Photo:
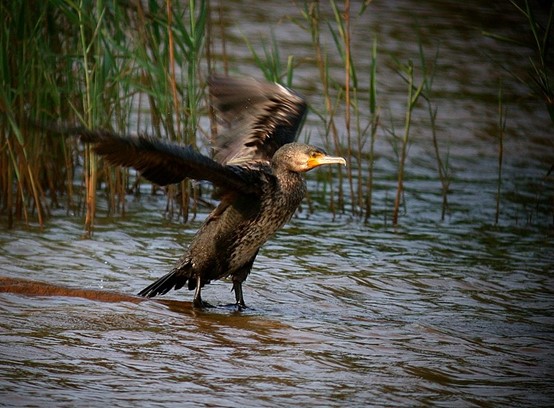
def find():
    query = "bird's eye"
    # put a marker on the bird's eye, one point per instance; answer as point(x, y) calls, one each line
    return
point(313, 155)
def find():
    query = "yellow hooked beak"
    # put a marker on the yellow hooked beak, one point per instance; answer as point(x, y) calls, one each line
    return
point(319, 159)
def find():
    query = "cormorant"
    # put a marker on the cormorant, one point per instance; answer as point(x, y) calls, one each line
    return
point(257, 171)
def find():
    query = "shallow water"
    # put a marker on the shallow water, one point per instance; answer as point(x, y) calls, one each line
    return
point(452, 313)
point(449, 315)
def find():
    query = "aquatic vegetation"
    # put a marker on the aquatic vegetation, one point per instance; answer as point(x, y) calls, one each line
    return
point(413, 95)
point(141, 68)
point(101, 65)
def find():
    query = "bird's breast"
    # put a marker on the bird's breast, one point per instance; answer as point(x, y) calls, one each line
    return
point(275, 207)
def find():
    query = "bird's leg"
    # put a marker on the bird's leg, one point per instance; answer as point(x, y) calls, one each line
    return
point(237, 288)
point(197, 301)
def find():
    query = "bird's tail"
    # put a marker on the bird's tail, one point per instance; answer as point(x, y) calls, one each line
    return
point(175, 279)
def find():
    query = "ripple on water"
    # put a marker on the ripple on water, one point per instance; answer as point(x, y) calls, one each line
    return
point(419, 312)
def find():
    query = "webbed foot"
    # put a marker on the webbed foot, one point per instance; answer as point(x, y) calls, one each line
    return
point(200, 304)
point(197, 301)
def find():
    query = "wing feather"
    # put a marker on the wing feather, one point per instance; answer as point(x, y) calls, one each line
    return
point(258, 118)
point(165, 163)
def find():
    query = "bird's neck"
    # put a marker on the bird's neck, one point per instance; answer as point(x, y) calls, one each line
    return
point(290, 182)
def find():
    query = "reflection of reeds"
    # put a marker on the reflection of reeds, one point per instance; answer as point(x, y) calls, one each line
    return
point(501, 129)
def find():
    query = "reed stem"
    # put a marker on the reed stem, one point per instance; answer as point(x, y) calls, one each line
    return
point(374, 123)
point(413, 95)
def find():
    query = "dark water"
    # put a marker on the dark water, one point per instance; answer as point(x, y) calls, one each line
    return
point(451, 313)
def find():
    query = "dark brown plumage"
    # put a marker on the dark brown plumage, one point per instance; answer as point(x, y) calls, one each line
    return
point(257, 169)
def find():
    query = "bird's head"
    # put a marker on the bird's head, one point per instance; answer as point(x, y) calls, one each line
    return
point(299, 158)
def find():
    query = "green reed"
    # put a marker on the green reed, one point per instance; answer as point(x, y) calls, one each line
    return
point(25, 78)
point(168, 56)
point(140, 67)
point(270, 61)
point(413, 95)
point(101, 65)
point(443, 167)
point(372, 125)
point(312, 16)
point(342, 39)
point(344, 103)
point(539, 17)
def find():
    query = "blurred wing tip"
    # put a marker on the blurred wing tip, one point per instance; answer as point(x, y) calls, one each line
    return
point(257, 117)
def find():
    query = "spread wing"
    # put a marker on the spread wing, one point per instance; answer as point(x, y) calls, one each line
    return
point(258, 118)
point(165, 163)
